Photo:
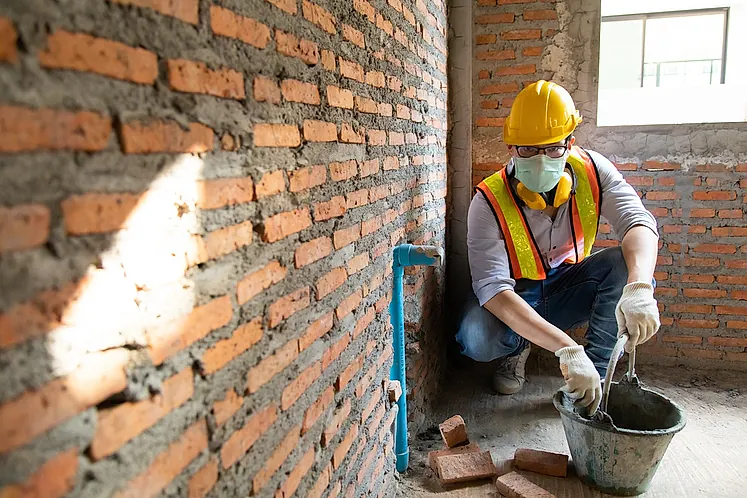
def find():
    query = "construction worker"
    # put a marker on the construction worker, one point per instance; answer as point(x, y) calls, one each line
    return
point(530, 232)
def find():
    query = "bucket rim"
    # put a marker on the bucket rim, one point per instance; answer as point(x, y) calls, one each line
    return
point(557, 401)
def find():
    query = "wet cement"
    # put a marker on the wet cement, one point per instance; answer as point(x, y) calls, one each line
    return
point(706, 459)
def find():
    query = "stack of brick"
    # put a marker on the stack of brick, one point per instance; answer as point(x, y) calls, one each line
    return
point(199, 201)
point(698, 201)
point(461, 461)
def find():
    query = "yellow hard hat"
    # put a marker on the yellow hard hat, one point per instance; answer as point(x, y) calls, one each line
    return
point(542, 113)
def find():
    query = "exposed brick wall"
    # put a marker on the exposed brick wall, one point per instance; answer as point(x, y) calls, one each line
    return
point(692, 178)
point(198, 202)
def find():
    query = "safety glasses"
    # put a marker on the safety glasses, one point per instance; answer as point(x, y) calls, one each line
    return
point(552, 151)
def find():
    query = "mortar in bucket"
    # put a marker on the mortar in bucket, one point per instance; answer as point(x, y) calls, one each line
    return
point(618, 449)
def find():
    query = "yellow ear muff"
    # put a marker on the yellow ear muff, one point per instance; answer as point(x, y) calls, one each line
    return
point(533, 200)
point(563, 190)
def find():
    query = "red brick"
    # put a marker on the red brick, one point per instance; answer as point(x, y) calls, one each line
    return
point(662, 196)
point(541, 462)
point(346, 236)
point(453, 431)
point(464, 467)
point(514, 485)
point(728, 342)
point(489, 122)
point(736, 324)
point(23, 129)
point(178, 334)
point(225, 408)
point(271, 184)
point(289, 487)
point(357, 199)
point(299, 91)
point(364, 322)
point(268, 368)
point(288, 6)
point(214, 194)
point(736, 263)
point(702, 213)
point(385, 109)
point(335, 350)
point(330, 282)
point(288, 305)
point(221, 242)
point(730, 213)
point(522, 34)
point(333, 208)
point(660, 166)
point(535, 52)
point(667, 181)
point(740, 295)
point(485, 40)
point(390, 163)
point(300, 384)
point(358, 263)
point(366, 105)
point(730, 279)
point(319, 16)
point(266, 90)
point(483, 74)
point(403, 112)
point(82, 52)
point(328, 60)
point(516, 69)
point(370, 225)
point(23, 227)
point(291, 46)
point(317, 408)
point(244, 438)
point(348, 373)
point(321, 485)
point(319, 131)
point(8, 40)
point(223, 351)
point(146, 137)
point(729, 231)
point(316, 330)
point(97, 213)
point(682, 339)
point(690, 308)
point(343, 171)
point(349, 304)
point(196, 77)
point(312, 251)
point(338, 97)
point(119, 424)
point(376, 137)
point(539, 15)
point(349, 135)
point(384, 25)
point(351, 70)
point(714, 195)
point(168, 464)
point(184, 10)
point(308, 177)
point(715, 248)
point(494, 18)
point(731, 310)
point(495, 55)
point(283, 225)
point(365, 8)
point(433, 455)
point(353, 35)
point(344, 447)
point(203, 480)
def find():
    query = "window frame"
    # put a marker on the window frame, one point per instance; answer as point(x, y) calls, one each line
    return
point(675, 14)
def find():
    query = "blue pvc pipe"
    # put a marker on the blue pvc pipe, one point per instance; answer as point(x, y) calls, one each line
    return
point(404, 255)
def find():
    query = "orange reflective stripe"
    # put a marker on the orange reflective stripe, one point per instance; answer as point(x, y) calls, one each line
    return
point(514, 261)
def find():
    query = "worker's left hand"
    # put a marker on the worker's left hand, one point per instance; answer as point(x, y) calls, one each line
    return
point(637, 314)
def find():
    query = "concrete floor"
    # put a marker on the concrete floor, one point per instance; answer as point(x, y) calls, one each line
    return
point(705, 460)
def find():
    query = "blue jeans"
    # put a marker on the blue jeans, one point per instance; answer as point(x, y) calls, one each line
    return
point(571, 295)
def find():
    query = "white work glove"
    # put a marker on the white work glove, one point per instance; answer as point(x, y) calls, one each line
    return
point(581, 378)
point(637, 314)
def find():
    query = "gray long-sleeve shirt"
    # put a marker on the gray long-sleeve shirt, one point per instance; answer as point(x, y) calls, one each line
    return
point(488, 258)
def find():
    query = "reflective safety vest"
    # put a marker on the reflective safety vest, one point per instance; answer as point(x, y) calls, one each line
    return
point(524, 255)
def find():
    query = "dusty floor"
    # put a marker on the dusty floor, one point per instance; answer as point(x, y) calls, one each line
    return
point(705, 460)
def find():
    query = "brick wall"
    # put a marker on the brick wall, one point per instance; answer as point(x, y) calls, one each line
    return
point(692, 178)
point(198, 202)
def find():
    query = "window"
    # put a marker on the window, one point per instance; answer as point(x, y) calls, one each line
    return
point(672, 66)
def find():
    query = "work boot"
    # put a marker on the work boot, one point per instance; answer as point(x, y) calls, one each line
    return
point(509, 376)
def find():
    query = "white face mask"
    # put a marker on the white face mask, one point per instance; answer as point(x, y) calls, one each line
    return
point(539, 173)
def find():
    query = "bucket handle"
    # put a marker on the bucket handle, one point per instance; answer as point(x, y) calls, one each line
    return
point(630, 377)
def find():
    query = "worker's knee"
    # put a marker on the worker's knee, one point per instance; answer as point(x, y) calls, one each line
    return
point(483, 337)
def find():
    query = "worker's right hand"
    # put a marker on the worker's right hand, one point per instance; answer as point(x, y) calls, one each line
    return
point(581, 378)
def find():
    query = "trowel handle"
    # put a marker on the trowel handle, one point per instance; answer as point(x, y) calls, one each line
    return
point(616, 352)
